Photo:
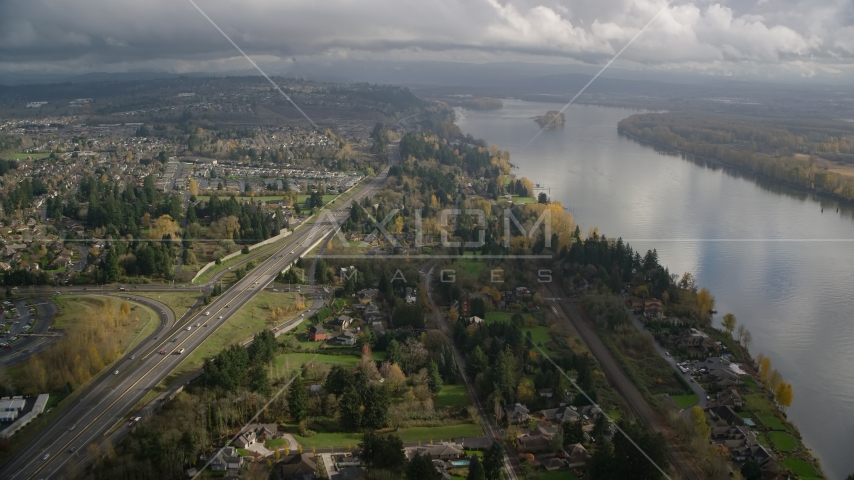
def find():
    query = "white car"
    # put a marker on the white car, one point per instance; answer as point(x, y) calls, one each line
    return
point(207, 314)
point(46, 456)
point(198, 324)
point(220, 317)
point(116, 372)
point(189, 328)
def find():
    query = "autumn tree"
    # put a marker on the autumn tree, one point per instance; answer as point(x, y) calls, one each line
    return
point(701, 426)
point(162, 226)
point(774, 380)
point(729, 323)
point(194, 187)
point(705, 304)
point(783, 394)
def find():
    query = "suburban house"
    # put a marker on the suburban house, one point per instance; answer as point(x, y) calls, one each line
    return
point(299, 466)
point(255, 434)
point(439, 451)
point(347, 337)
point(730, 397)
point(316, 333)
point(533, 443)
point(576, 456)
point(561, 414)
point(367, 294)
point(741, 443)
point(225, 459)
point(340, 323)
point(516, 413)
point(694, 341)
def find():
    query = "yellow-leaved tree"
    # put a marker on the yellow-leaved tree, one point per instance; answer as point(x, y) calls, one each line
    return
point(783, 393)
point(705, 304)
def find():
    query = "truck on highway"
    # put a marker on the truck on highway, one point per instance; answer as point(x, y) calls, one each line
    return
point(133, 421)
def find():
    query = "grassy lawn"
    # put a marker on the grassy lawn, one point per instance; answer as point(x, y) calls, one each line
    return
point(685, 401)
point(492, 317)
point(762, 439)
point(557, 475)
point(413, 434)
point(802, 468)
point(769, 420)
point(292, 361)
point(523, 200)
point(472, 267)
point(246, 322)
point(757, 402)
point(23, 156)
point(277, 443)
point(783, 441)
point(179, 302)
point(538, 335)
point(452, 396)
point(750, 382)
point(239, 259)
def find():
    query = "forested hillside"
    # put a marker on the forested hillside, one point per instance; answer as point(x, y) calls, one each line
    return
point(811, 154)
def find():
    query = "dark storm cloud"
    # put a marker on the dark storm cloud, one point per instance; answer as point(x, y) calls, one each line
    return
point(718, 37)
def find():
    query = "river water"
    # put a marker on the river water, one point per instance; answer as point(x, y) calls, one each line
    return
point(768, 253)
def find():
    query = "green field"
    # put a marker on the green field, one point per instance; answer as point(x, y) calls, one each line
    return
point(452, 396)
point(292, 361)
point(802, 468)
point(498, 317)
point(523, 200)
point(540, 335)
point(23, 156)
point(179, 302)
point(770, 420)
point(246, 322)
point(783, 441)
point(685, 401)
point(413, 434)
point(472, 267)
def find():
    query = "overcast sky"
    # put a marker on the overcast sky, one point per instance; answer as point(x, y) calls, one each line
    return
point(793, 38)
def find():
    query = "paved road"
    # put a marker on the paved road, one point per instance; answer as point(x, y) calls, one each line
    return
point(569, 310)
point(491, 430)
point(106, 403)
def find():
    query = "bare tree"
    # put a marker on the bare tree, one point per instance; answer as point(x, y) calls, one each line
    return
point(746, 338)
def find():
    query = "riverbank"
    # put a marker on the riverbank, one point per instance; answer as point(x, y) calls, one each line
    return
point(819, 192)
point(767, 253)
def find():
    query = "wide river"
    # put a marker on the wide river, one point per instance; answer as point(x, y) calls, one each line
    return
point(768, 253)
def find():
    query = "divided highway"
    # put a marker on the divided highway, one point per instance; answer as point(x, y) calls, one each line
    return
point(110, 398)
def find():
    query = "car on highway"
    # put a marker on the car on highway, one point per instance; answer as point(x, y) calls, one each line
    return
point(198, 324)
point(189, 328)
point(179, 352)
point(72, 449)
point(207, 314)
point(220, 317)
point(116, 372)
point(46, 456)
point(162, 352)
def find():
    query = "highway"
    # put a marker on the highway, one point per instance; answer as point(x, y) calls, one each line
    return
point(110, 398)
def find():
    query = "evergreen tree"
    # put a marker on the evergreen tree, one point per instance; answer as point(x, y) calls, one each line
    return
point(476, 471)
point(493, 460)
point(434, 379)
point(112, 269)
point(350, 409)
point(421, 468)
point(298, 399)
point(259, 380)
